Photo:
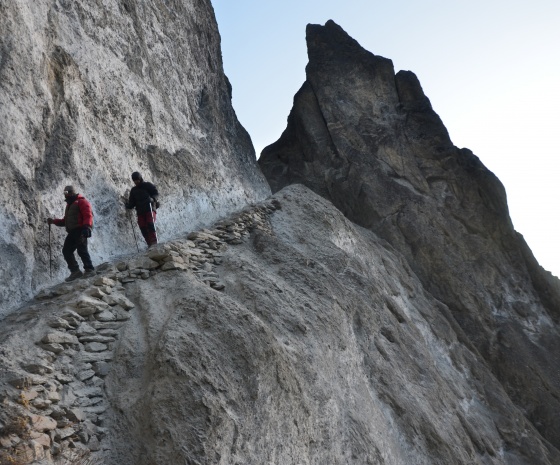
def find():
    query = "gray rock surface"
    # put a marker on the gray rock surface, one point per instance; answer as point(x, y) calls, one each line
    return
point(91, 91)
point(323, 346)
point(286, 333)
point(368, 140)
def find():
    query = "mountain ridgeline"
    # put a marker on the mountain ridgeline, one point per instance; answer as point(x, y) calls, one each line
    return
point(377, 308)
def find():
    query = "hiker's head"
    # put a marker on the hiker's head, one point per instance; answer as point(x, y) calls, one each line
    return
point(69, 191)
point(136, 177)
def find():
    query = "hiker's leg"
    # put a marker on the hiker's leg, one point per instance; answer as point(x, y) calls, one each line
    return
point(84, 254)
point(70, 246)
point(143, 225)
point(151, 228)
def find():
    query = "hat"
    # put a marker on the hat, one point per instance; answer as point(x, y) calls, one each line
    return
point(136, 176)
point(70, 190)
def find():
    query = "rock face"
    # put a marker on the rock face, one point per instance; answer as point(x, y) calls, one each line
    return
point(368, 140)
point(394, 319)
point(57, 352)
point(91, 91)
point(283, 334)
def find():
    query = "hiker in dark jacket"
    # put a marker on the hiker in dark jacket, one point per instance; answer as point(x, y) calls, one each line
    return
point(143, 196)
point(78, 220)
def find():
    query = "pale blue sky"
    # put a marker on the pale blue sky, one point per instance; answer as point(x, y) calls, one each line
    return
point(490, 68)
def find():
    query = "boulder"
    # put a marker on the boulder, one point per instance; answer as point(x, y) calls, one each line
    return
point(119, 299)
point(95, 347)
point(144, 263)
point(58, 337)
point(42, 423)
point(38, 368)
point(53, 347)
point(85, 330)
point(104, 281)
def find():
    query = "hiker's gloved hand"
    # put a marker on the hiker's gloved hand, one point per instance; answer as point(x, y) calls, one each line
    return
point(86, 232)
point(50, 221)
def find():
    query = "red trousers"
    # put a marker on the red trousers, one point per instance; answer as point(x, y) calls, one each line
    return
point(146, 222)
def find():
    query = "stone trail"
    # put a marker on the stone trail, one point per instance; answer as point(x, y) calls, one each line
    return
point(53, 398)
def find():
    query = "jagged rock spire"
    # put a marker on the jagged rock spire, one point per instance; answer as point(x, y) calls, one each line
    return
point(368, 140)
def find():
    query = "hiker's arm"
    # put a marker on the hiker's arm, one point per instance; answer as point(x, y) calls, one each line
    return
point(57, 221)
point(152, 190)
point(154, 195)
point(131, 202)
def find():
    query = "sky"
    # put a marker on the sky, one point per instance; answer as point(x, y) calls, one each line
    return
point(491, 70)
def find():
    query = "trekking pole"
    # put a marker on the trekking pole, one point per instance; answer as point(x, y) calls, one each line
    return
point(133, 232)
point(50, 251)
point(154, 221)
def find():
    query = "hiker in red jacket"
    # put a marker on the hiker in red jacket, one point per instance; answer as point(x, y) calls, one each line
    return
point(78, 220)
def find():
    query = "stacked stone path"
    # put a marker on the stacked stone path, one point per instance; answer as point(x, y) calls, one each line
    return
point(52, 392)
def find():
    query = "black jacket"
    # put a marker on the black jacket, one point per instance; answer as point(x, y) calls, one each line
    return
point(141, 196)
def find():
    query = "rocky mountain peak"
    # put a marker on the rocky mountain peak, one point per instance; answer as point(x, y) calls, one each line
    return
point(368, 140)
point(379, 308)
point(331, 43)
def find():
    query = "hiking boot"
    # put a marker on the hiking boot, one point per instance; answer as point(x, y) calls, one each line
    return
point(74, 275)
point(89, 273)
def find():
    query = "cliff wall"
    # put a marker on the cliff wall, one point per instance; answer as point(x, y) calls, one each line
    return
point(89, 93)
point(379, 308)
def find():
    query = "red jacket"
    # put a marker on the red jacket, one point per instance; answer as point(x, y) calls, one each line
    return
point(77, 214)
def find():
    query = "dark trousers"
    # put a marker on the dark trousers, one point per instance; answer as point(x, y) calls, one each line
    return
point(75, 241)
point(146, 222)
